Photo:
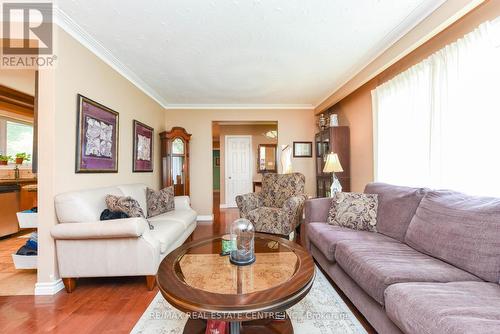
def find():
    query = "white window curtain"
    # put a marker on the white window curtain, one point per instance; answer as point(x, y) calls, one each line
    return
point(438, 123)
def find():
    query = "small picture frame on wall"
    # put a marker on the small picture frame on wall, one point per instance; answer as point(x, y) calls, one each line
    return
point(143, 147)
point(96, 138)
point(217, 162)
point(302, 149)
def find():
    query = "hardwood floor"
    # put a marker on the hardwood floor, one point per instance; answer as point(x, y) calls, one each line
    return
point(12, 280)
point(98, 305)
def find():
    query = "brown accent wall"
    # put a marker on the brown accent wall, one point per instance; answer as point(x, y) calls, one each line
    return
point(355, 110)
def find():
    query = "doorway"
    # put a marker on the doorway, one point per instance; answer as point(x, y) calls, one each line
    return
point(237, 160)
point(18, 186)
point(238, 167)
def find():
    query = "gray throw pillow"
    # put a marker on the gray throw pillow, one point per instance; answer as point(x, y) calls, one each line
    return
point(161, 201)
point(356, 211)
point(125, 204)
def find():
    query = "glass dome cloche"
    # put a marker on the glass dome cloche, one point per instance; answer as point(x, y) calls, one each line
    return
point(242, 234)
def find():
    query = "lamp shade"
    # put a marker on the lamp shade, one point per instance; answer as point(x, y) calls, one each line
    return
point(332, 164)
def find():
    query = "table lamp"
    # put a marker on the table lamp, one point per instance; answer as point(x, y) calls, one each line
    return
point(333, 166)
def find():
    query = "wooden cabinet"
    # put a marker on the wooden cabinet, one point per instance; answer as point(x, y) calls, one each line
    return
point(336, 140)
point(175, 160)
point(28, 197)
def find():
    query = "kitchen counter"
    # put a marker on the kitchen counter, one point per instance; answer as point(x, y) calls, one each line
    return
point(6, 182)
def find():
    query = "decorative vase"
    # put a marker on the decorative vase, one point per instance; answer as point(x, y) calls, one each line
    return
point(322, 122)
point(242, 234)
point(334, 120)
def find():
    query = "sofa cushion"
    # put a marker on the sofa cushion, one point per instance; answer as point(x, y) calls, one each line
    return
point(354, 210)
point(160, 201)
point(166, 232)
point(444, 308)
point(396, 207)
point(125, 204)
point(83, 205)
point(138, 192)
point(184, 216)
point(459, 229)
point(376, 264)
point(326, 237)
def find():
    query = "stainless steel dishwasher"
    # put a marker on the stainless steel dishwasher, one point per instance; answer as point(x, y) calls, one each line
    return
point(9, 206)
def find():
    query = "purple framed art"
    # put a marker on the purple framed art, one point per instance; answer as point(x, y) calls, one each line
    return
point(143, 148)
point(96, 138)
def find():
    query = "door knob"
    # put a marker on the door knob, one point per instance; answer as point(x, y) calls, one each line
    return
point(229, 177)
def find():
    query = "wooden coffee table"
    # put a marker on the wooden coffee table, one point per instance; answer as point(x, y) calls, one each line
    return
point(197, 280)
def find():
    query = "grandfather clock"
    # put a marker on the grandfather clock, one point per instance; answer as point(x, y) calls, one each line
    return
point(175, 160)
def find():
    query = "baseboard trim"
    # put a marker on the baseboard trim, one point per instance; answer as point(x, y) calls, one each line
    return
point(227, 206)
point(48, 288)
point(205, 218)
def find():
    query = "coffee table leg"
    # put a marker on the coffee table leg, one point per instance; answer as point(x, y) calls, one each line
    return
point(234, 327)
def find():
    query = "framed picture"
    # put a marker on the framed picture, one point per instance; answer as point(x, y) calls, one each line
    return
point(302, 149)
point(217, 162)
point(96, 138)
point(143, 148)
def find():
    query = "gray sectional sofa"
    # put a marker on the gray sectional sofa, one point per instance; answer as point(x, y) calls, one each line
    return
point(432, 267)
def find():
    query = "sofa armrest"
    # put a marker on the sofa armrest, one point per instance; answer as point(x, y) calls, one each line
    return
point(316, 210)
point(182, 202)
point(247, 203)
point(109, 229)
point(294, 205)
point(294, 208)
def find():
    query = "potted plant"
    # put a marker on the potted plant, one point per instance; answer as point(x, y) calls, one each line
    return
point(20, 157)
point(4, 159)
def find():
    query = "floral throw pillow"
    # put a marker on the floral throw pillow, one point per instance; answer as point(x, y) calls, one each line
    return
point(357, 211)
point(160, 201)
point(125, 204)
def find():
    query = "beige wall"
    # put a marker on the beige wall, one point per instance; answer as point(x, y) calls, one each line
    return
point(21, 80)
point(355, 110)
point(293, 125)
point(257, 132)
point(80, 71)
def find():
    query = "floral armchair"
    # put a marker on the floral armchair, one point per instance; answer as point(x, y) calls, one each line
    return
point(277, 209)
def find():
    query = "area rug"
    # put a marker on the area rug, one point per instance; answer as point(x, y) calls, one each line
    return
point(322, 311)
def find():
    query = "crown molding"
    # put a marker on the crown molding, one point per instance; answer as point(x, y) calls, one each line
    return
point(420, 13)
point(77, 32)
point(240, 106)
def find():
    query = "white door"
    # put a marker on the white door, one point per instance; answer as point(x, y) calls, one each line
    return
point(238, 167)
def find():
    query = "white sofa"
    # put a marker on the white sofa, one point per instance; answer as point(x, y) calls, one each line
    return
point(88, 247)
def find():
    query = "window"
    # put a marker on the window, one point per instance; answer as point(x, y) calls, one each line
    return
point(16, 137)
point(437, 124)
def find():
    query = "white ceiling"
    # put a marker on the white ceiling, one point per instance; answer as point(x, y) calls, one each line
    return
point(201, 53)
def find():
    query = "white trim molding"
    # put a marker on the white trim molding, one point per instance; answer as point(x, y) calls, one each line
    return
point(205, 218)
point(78, 33)
point(227, 206)
point(240, 106)
point(48, 288)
